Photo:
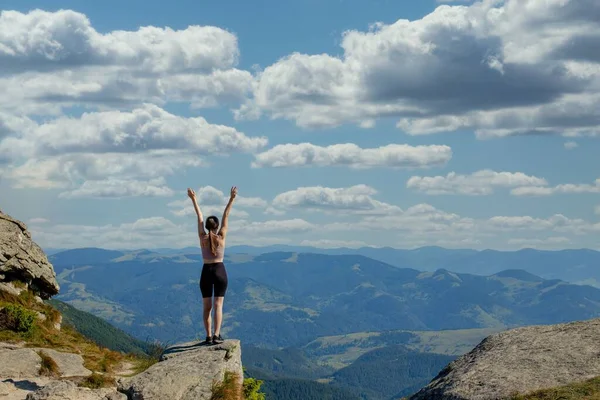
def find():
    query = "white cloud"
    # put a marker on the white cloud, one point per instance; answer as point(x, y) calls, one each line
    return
point(555, 223)
point(59, 58)
point(117, 188)
point(143, 129)
point(129, 147)
point(355, 199)
point(478, 183)
point(212, 201)
point(568, 188)
point(350, 155)
point(537, 57)
point(141, 233)
point(419, 225)
point(571, 145)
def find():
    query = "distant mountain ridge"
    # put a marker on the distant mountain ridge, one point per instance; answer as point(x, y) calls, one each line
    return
point(287, 299)
point(576, 266)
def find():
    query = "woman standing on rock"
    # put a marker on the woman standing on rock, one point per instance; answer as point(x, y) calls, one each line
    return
point(214, 274)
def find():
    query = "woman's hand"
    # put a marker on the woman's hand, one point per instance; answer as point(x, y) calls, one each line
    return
point(191, 194)
point(233, 192)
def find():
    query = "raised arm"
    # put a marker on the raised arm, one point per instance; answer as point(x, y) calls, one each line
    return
point(225, 219)
point(192, 196)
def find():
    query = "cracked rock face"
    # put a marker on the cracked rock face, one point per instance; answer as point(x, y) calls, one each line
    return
point(520, 360)
point(21, 259)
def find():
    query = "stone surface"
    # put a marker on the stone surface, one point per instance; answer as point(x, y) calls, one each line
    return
point(23, 363)
point(18, 389)
point(67, 390)
point(520, 360)
point(18, 363)
point(185, 372)
point(70, 365)
point(22, 259)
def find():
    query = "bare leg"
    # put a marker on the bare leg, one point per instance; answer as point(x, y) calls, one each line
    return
point(218, 314)
point(207, 305)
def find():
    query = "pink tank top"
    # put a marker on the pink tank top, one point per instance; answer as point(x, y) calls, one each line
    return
point(207, 255)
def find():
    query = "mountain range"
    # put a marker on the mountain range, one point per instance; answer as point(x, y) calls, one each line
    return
point(287, 299)
point(312, 323)
point(581, 266)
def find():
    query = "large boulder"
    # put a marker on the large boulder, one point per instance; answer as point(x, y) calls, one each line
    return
point(21, 259)
point(185, 372)
point(520, 360)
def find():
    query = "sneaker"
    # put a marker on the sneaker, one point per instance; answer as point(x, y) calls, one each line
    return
point(217, 339)
point(207, 341)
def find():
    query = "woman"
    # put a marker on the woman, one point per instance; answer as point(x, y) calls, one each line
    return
point(214, 274)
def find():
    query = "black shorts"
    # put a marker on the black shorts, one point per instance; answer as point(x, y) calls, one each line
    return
point(213, 274)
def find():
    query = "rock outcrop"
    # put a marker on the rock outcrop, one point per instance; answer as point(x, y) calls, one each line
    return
point(21, 376)
point(520, 360)
point(21, 259)
point(185, 372)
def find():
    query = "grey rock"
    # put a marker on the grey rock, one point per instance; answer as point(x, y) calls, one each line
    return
point(24, 363)
point(70, 365)
point(18, 389)
point(67, 390)
point(186, 372)
point(520, 360)
point(19, 363)
point(21, 258)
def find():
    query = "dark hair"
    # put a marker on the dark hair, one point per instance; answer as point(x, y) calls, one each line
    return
point(211, 224)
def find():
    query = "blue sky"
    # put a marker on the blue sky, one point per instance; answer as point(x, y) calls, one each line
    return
point(343, 123)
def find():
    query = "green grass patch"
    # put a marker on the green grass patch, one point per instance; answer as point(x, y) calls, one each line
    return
point(15, 317)
point(588, 390)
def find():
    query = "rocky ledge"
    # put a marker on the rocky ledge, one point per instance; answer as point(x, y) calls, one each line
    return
point(186, 372)
point(520, 360)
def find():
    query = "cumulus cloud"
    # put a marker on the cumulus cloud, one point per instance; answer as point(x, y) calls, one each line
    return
point(478, 183)
point(356, 199)
point(418, 225)
point(118, 188)
point(59, 58)
point(212, 201)
point(130, 148)
point(499, 68)
point(157, 231)
point(567, 188)
point(350, 155)
point(142, 129)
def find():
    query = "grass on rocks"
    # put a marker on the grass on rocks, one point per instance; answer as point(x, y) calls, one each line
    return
point(232, 387)
point(34, 325)
point(588, 390)
point(48, 366)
